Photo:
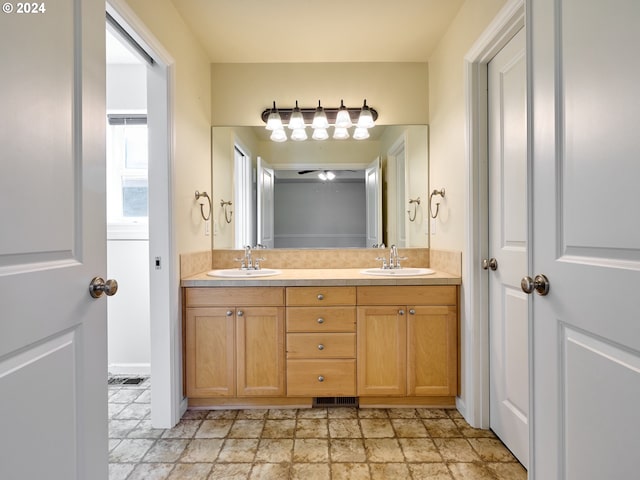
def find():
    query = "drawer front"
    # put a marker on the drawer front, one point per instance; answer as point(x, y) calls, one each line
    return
point(408, 295)
point(225, 296)
point(319, 319)
point(321, 345)
point(316, 296)
point(318, 378)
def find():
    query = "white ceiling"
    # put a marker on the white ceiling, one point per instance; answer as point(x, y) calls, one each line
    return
point(281, 31)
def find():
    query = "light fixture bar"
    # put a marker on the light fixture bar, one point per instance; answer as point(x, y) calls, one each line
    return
point(307, 114)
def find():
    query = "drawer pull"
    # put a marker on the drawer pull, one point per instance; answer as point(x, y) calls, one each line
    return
point(229, 313)
point(320, 320)
point(320, 296)
point(320, 378)
point(321, 347)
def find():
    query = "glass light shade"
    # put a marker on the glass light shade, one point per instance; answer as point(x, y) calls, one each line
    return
point(340, 133)
point(361, 133)
point(320, 134)
point(296, 120)
point(279, 135)
point(330, 175)
point(320, 118)
point(365, 120)
point(343, 120)
point(299, 134)
point(274, 122)
point(322, 176)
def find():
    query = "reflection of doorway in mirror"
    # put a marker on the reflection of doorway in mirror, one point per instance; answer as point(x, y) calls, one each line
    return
point(244, 199)
point(396, 183)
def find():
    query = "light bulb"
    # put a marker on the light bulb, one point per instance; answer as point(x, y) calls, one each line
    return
point(361, 133)
point(330, 175)
point(320, 134)
point(343, 120)
point(274, 122)
point(279, 135)
point(365, 120)
point(340, 133)
point(299, 134)
point(296, 120)
point(320, 118)
point(322, 176)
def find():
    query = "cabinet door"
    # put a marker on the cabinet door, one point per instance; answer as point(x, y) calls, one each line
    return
point(260, 351)
point(210, 352)
point(382, 350)
point(432, 342)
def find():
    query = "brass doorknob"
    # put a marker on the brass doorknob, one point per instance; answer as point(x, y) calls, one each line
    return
point(98, 286)
point(540, 284)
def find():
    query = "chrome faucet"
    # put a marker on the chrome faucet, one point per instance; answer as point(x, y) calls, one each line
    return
point(249, 263)
point(394, 259)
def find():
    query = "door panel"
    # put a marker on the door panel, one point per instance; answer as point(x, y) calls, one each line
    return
point(373, 194)
point(586, 240)
point(266, 185)
point(508, 305)
point(52, 181)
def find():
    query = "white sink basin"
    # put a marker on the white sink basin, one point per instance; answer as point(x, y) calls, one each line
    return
point(237, 273)
point(401, 272)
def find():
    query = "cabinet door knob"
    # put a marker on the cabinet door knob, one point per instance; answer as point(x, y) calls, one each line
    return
point(400, 312)
point(320, 378)
point(321, 347)
point(412, 312)
point(320, 320)
point(320, 296)
point(240, 313)
point(229, 313)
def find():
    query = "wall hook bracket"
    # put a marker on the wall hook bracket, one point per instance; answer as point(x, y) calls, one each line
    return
point(435, 192)
point(228, 215)
point(415, 203)
point(199, 195)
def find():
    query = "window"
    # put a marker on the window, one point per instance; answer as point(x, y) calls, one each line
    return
point(127, 165)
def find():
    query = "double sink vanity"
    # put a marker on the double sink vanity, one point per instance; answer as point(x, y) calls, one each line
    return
point(282, 336)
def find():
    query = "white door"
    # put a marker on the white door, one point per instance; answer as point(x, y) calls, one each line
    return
point(586, 238)
point(373, 194)
point(508, 304)
point(266, 185)
point(53, 340)
point(242, 194)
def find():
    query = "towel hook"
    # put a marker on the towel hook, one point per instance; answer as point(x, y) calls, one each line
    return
point(435, 192)
point(416, 202)
point(205, 195)
point(227, 215)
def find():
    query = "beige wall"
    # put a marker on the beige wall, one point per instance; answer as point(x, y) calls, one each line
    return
point(447, 118)
point(192, 118)
point(240, 92)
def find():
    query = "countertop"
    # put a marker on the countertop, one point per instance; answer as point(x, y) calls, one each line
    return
point(320, 277)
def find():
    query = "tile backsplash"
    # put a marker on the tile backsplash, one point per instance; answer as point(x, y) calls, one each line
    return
point(442, 260)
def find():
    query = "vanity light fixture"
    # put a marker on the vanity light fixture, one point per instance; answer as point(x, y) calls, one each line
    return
point(320, 119)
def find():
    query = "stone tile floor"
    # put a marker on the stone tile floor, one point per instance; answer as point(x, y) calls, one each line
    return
point(306, 444)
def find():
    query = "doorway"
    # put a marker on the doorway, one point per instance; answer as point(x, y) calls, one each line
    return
point(165, 354)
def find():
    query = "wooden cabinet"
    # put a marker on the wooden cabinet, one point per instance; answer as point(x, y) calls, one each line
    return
point(234, 342)
point(407, 341)
point(321, 341)
point(382, 350)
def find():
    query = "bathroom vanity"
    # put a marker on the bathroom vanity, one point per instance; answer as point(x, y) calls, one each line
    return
point(307, 333)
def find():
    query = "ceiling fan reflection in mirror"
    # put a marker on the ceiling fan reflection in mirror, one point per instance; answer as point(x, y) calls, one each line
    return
point(323, 175)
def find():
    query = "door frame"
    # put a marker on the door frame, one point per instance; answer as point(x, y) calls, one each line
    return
point(168, 403)
point(475, 290)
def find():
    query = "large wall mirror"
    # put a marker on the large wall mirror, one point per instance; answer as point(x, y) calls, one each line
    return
point(320, 194)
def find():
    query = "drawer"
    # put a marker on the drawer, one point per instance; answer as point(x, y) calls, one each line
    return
point(315, 296)
point(408, 295)
point(321, 319)
point(321, 378)
point(321, 345)
point(233, 296)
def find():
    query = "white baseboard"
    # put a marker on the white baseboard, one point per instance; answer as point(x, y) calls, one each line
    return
point(129, 368)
